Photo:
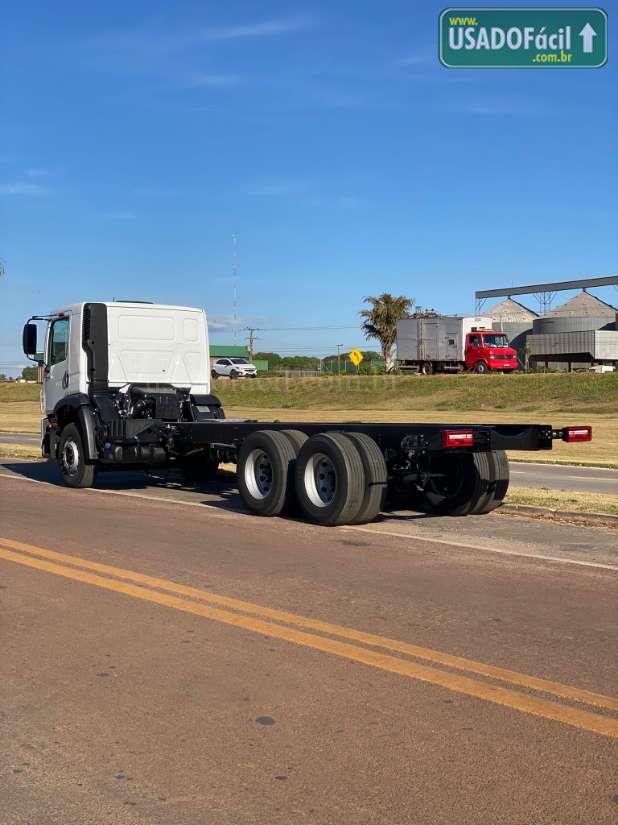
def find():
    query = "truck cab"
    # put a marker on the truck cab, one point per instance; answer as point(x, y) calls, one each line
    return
point(109, 370)
point(488, 350)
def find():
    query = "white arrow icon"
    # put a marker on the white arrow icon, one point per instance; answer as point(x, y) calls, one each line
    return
point(586, 34)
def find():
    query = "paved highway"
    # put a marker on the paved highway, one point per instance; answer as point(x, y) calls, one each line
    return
point(523, 474)
point(168, 658)
point(563, 477)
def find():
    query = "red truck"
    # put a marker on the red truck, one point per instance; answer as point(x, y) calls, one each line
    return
point(453, 343)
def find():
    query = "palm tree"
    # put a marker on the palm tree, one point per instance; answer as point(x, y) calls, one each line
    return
point(380, 321)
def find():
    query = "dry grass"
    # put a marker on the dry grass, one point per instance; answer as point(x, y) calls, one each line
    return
point(601, 452)
point(19, 451)
point(24, 417)
point(20, 417)
point(562, 500)
point(554, 399)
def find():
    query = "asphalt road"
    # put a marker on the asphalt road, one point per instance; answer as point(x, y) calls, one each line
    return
point(168, 658)
point(523, 474)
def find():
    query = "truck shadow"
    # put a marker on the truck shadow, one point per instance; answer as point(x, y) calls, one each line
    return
point(222, 492)
point(223, 487)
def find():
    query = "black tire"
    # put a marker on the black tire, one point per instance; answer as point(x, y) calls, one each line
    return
point(330, 479)
point(462, 483)
point(499, 486)
point(297, 438)
point(75, 470)
point(481, 368)
point(376, 477)
point(233, 374)
point(199, 468)
point(214, 375)
point(265, 472)
point(426, 368)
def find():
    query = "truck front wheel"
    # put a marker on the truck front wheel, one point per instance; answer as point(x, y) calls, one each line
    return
point(74, 469)
point(481, 367)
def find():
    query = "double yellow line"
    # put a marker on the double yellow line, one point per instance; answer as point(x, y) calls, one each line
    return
point(344, 642)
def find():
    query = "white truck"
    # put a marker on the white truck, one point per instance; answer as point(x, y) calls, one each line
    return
point(127, 385)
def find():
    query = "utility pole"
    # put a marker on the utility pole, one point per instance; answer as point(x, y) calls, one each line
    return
point(235, 288)
point(251, 339)
point(339, 348)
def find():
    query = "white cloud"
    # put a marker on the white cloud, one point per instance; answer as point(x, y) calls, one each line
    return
point(121, 215)
point(22, 188)
point(267, 28)
point(274, 187)
point(214, 80)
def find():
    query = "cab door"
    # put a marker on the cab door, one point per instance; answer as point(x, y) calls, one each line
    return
point(56, 371)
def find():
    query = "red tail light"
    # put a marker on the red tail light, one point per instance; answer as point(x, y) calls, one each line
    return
point(457, 438)
point(571, 434)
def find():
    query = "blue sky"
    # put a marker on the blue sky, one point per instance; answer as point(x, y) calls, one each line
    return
point(138, 138)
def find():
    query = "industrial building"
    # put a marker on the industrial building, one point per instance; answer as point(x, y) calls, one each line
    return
point(580, 334)
point(515, 321)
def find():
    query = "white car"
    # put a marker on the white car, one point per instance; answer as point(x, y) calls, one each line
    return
point(234, 368)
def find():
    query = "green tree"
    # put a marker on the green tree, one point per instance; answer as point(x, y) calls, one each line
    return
point(29, 373)
point(380, 321)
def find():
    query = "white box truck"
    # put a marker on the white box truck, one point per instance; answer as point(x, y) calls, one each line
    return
point(452, 343)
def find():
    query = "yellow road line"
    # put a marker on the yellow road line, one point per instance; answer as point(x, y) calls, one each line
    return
point(350, 634)
point(575, 717)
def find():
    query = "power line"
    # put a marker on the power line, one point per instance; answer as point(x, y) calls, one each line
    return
point(302, 329)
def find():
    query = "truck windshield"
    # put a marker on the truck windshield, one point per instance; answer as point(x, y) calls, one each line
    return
point(495, 340)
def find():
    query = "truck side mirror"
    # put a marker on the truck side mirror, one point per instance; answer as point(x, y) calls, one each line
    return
point(29, 339)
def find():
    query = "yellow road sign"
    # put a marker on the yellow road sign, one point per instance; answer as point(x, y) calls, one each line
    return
point(356, 356)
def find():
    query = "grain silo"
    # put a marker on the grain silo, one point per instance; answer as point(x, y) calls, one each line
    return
point(515, 320)
point(579, 334)
point(583, 312)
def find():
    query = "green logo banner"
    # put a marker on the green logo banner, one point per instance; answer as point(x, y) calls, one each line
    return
point(523, 38)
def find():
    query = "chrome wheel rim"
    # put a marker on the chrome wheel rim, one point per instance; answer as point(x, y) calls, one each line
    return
point(320, 480)
point(70, 458)
point(258, 474)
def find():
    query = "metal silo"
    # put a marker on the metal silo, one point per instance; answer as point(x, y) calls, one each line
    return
point(581, 313)
point(515, 320)
point(568, 336)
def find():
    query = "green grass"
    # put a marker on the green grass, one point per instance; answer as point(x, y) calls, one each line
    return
point(517, 393)
point(10, 391)
point(565, 392)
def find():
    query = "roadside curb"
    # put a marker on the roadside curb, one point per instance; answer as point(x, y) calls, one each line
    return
point(550, 513)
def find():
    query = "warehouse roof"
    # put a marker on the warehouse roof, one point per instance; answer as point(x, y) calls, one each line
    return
point(510, 310)
point(225, 350)
point(583, 305)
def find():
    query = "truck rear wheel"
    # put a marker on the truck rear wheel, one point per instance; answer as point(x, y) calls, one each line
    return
point(426, 368)
point(74, 469)
point(499, 486)
point(265, 472)
point(330, 479)
point(460, 485)
point(296, 437)
point(376, 477)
